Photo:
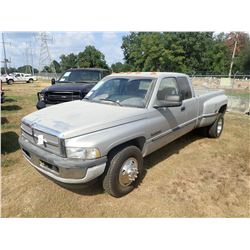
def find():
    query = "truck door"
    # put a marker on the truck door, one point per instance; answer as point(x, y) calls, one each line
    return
point(189, 102)
point(22, 78)
point(17, 77)
point(168, 123)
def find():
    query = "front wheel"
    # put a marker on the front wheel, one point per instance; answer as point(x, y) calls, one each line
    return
point(124, 171)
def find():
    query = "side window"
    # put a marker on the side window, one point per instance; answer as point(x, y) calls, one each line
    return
point(168, 87)
point(17, 75)
point(184, 88)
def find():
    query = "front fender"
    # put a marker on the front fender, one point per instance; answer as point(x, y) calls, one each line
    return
point(107, 139)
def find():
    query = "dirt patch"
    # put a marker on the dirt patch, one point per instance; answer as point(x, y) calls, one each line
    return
point(191, 177)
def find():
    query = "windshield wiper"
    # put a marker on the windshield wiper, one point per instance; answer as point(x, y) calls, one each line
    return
point(113, 101)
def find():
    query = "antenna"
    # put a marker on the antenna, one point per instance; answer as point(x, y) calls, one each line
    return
point(45, 56)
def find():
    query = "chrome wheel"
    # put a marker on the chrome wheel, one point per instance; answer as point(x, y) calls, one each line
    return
point(219, 126)
point(129, 171)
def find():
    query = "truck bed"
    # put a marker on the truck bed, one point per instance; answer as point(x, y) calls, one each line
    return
point(208, 92)
point(209, 102)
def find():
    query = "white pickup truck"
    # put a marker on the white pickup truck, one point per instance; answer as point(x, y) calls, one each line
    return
point(20, 77)
point(122, 119)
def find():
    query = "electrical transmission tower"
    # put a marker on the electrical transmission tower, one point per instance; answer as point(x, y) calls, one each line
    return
point(45, 56)
point(29, 58)
point(5, 60)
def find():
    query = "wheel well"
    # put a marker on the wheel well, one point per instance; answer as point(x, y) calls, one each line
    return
point(138, 142)
point(223, 109)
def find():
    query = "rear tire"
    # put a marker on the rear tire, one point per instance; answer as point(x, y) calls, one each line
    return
point(215, 130)
point(30, 81)
point(125, 169)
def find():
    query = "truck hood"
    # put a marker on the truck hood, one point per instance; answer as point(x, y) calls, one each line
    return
point(82, 117)
point(69, 87)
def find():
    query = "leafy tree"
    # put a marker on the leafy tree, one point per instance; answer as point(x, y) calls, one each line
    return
point(166, 51)
point(242, 39)
point(196, 47)
point(242, 63)
point(189, 52)
point(10, 70)
point(219, 58)
point(91, 57)
point(120, 67)
point(242, 52)
point(68, 61)
point(26, 69)
point(47, 69)
point(57, 66)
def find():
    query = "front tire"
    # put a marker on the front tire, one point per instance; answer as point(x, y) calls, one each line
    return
point(124, 171)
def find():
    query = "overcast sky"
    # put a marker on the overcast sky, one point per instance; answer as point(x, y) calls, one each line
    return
point(109, 43)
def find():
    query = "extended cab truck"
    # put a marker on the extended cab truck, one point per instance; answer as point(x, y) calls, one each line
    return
point(121, 120)
point(74, 84)
point(20, 77)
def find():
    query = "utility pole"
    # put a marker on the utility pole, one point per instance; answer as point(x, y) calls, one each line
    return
point(233, 55)
point(45, 56)
point(27, 68)
point(5, 60)
point(31, 53)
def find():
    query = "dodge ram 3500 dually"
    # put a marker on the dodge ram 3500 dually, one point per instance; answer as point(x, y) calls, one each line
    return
point(122, 119)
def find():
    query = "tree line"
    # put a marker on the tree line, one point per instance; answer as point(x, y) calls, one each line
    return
point(187, 52)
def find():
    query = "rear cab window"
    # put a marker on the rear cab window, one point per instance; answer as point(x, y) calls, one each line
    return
point(184, 87)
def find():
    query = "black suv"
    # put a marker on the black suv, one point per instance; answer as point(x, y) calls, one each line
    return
point(73, 84)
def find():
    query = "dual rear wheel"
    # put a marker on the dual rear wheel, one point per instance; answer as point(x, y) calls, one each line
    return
point(214, 130)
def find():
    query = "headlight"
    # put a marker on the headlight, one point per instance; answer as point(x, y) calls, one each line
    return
point(41, 97)
point(83, 153)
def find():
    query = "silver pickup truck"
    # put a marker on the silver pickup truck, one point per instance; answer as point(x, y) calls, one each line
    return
point(121, 120)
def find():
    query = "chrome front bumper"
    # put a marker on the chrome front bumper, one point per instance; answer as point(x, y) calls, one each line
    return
point(71, 171)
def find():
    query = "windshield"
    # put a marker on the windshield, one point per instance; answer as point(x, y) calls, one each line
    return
point(80, 76)
point(128, 91)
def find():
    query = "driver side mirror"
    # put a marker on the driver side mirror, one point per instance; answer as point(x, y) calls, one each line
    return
point(53, 81)
point(169, 101)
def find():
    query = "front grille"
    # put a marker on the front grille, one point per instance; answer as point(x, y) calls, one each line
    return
point(59, 97)
point(51, 143)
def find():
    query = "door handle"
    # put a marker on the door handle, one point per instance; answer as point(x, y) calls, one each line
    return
point(183, 108)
